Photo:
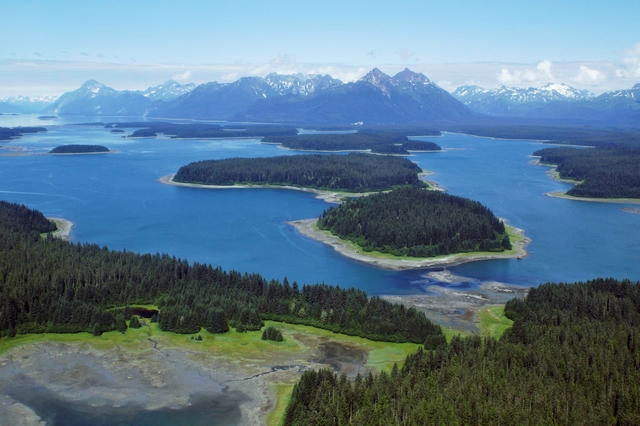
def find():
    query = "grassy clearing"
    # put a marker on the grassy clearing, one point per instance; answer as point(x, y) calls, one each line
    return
point(493, 322)
point(450, 332)
point(282, 392)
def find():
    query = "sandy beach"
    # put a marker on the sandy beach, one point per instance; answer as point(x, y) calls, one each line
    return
point(64, 228)
point(346, 248)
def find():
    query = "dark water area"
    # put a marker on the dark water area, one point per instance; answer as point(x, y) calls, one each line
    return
point(116, 200)
point(203, 409)
point(143, 312)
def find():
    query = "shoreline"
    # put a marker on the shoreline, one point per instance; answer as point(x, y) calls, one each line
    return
point(557, 194)
point(564, 195)
point(332, 197)
point(64, 228)
point(346, 248)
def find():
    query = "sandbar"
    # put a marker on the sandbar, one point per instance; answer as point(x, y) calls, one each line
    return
point(64, 228)
point(308, 228)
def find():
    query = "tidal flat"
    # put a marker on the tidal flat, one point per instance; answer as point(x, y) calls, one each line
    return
point(147, 376)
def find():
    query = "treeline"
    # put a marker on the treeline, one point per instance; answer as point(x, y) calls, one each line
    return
point(7, 133)
point(199, 130)
point(571, 357)
point(49, 285)
point(382, 143)
point(353, 172)
point(78, 149)
point(414, 222)
point(606, 172)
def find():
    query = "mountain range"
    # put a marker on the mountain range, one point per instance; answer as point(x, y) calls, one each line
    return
point(554, 101)
point(94, 98)
point(376, 98)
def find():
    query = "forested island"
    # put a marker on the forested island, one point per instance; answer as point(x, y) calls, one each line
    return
point(200, 130)
point(571, 357)
point(601, 172)
point(353, 172)
point(54, 286)
point(381, 143)
point(79, 149)
point(6, 133)
point(412, 222)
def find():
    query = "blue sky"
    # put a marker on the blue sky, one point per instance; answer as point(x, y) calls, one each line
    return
point(52, 46)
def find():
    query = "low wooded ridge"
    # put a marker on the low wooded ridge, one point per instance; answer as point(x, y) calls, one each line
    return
point(49, 285)
point(78, 149)
point(378, 142)
point(413, 222)
point(353, 172)
point(571, 357)
point(606, 172)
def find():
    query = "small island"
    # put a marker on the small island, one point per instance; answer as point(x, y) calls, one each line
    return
point(355, 172)
point(48, 117)
point(80, 149)
point(380, 143)
point(601, 174)
point(410, 228)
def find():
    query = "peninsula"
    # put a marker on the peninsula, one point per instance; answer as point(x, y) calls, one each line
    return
point(601, 174)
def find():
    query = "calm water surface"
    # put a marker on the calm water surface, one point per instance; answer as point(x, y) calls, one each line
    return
point(116, 200)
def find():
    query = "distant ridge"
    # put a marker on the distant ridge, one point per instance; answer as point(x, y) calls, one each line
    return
point(554, 101)
point(377, 98)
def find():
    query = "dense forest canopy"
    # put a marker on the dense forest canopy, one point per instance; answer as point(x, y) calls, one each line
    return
point(7, 133)
point(612, 172)
point(571, 357)
point(78, 149)
point(352, 172)
point(49, 285)
point(378, 142)
point(414, 222)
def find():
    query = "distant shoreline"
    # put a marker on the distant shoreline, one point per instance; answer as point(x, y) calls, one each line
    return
point(557, 194)
point(346, 248)
point(64, 228)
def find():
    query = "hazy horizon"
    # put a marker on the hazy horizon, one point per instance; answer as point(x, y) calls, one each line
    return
point(53, 48)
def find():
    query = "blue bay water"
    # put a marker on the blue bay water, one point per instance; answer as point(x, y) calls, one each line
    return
point(117, 201)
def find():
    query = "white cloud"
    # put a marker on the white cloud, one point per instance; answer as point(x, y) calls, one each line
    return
point(182, 77)
point(588, 76)
point(634, 51)
point(446, 85)
point(536, 77)
point(629, 67)
point(405, 54)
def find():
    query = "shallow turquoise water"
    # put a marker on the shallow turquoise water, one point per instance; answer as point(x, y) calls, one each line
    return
point(115, 200)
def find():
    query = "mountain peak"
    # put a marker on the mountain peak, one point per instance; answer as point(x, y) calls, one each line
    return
point(92, 85)
point(409, 76)
point(636, 87)
point(376, 77)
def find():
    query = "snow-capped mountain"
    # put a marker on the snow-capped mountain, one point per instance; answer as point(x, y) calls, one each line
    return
point(375, 98)
point(94, 98)
point(300, 85)
point(513, 101)
point(168, 91)
point(555, 102)
point(25, 104)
